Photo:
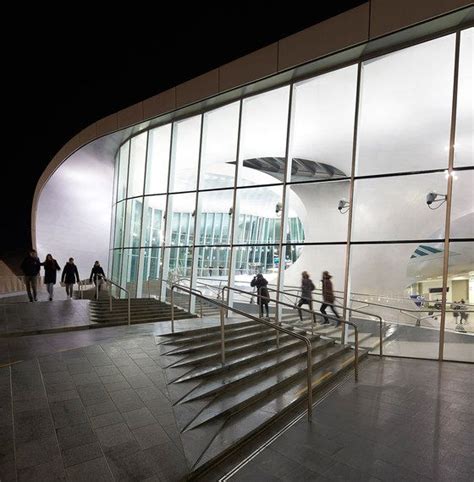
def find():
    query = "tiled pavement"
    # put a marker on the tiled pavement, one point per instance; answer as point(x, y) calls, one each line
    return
point(405, 420)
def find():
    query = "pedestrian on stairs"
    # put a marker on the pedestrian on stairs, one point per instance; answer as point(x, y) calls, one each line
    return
point(263, 296)
point(307, 287)
point(98, 276)
point(50, 266)
point(328, 298)
point(69, 276)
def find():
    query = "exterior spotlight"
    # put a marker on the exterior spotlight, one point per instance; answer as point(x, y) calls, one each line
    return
point(434, 197)
point(278, 207)
point(343, 206)
point(231, 211)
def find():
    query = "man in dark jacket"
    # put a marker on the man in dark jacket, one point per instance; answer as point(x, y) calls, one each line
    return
point(328, 298)
point(31, 268)
point(261, 283)
point(69, 276)
point(98, 275)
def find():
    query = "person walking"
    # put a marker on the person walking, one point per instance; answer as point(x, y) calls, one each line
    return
point(307, 287)
point(98, 276)
point(50, 266)
point(261, 283)
point(328, 298)
point(31, 267)
point(70, 276)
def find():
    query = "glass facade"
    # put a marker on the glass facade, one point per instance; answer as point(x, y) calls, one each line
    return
point(327, 173)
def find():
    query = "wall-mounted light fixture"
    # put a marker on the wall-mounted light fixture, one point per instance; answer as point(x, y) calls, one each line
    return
point(434, 197)
point(343, 206)
point(231, 211)
point(278, 207)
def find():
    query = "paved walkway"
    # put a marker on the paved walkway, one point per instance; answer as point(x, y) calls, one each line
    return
point(409, 420)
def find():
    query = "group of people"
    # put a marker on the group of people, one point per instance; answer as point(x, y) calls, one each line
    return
point(31, 267)
point(307, 287)
point(460, 310)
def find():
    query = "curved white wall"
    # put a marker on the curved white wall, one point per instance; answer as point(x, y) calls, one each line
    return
point(74, 211)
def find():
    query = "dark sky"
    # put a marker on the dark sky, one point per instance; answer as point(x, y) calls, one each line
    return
point(62, 75)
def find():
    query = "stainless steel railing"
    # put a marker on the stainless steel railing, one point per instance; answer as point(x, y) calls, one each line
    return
point(224, 307)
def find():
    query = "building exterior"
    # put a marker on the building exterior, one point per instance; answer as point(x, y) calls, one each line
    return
point(347, 147)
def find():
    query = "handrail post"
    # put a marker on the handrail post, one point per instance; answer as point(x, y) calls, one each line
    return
point(356, 358)
point(222, 335)
point(128, 294)
point(381, 338)
point(200, 303)
point(110, 297)
point(172, 308)
point(96, 289)
point(309, 380)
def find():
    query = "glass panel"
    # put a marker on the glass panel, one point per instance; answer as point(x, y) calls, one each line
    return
point(212, 268)
point(153, 220)
point(133, 223)
point(313, 214)
point(119, 222)
point(402, 283)
point(259, 215)
point(250, 260)
point(185, 156)
point(129, 276)
point(464, 146)
point(137, 165)
point(263, 138)
point(123, 171)
point(458, 338)
point(152, 272)
point(158, 160)
point(462, 209)
point(116, 265)
point(395, 208)
point(405, 109)
point(177, 268)
point(323, 126)
point(180, 224)
point(116, 175)
point(215, 217)
point(219, 147)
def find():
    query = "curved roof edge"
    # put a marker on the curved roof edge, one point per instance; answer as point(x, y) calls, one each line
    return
point(373, 20)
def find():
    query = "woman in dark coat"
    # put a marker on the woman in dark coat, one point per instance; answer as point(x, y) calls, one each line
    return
point(307, 288)
point(261, 284)
point(50, 266)
point(328, 298)
point(69, 276)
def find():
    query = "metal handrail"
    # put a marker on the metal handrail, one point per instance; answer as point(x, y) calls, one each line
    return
point(348, 309)
point(223, 307)
point(110, 297)
point(347, 322)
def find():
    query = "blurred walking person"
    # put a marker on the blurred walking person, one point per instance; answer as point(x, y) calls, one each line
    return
point(31, 267)
point(261, 283)
point(98, 276)
point(328, 298)
point(50, 266)
point(70, 276)
point(307, 288)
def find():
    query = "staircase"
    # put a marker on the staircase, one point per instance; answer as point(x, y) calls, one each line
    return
point(142, 310)
point(369, 338)
point(217, 407)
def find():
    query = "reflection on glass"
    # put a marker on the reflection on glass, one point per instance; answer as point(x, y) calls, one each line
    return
point(402, 283)
point(181, 213)
point(462, 209)
point(153, 220)
point(123, 171)
point(405, 109)
point(158, 160)
point(129, 275)
point(263, 138)
point(219, 147)
point(322, 126)
point(258, 212)
point(212, 264)
point(133, 223)
point(464, 145)
point(394, 208)
point(137, 165)
point(185, 154)
point(119, 222)
point(151, 272)
point(215, 217)
point(116, 265)
point(458, 338)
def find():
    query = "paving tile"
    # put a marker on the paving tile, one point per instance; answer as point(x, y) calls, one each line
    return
point(126, 400)
point(95, 470)
point(136, 466)
point(105, 419)
point(81, 453)
point(100, 408)
point(151, 435)
point(36, 452)
point(113, 435)
point(68, 412)
point(138, 418)
point(74, 436)
point(33, 425)
point(45, 472)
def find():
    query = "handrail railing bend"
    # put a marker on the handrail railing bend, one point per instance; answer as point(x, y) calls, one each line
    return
point(223, 306)
point(110, 297)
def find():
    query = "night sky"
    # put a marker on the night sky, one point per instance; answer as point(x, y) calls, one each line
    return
point(61, 76)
